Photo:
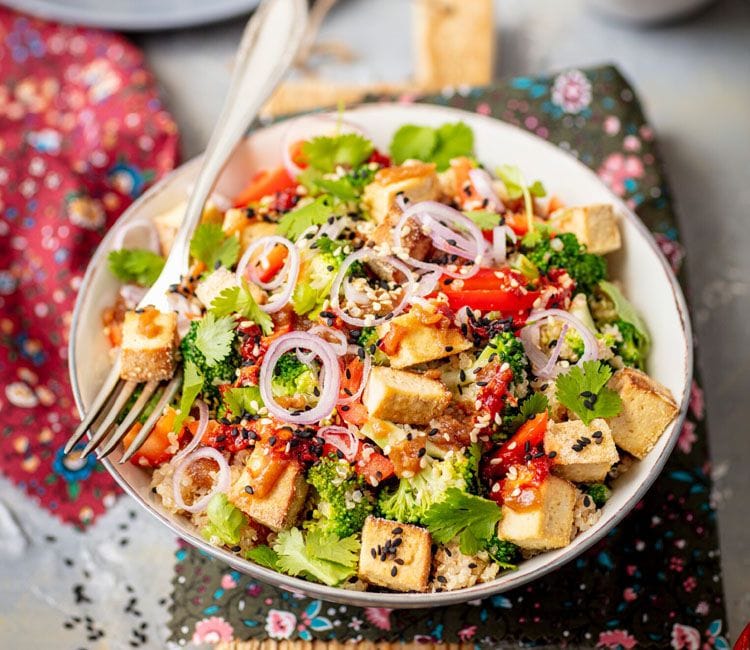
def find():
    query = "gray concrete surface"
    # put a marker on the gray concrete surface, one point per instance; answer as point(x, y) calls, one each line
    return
point(694, 79)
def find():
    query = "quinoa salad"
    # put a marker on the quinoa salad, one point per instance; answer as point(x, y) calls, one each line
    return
point(400, 370)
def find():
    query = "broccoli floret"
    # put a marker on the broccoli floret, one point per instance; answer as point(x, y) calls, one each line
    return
point(344, 501)
point(505, 347)
point(632, 348)
point(368, 339)
point(224, 372)
point(505, 553)
point(413, 496)
point(585, 268)
point(599, 493)
point(292, 377)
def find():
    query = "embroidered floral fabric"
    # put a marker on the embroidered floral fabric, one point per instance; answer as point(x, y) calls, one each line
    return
point(654, 581)
point(82, 133)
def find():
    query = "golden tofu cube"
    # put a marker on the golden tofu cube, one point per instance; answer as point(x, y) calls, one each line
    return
point(248, 228)
point(421, 343)
point(583, 454)
point(149, 342)
point(280, 508)
point(404, 397)
point(377, 559)
point(594, 225)
point(417, 181)
point(548, 525)
point(647, 409)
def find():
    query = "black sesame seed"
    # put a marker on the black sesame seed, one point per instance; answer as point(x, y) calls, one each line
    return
point(272, 441)
point(442, 579)
point(596, 434)
point(249, 489)
point(422, 451)
point(587, 501)
point(373, 552)
point(394, 571)
point(397, 530)
point(449, 348)
point(399, 561)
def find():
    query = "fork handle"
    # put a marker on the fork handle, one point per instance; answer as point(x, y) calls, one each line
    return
point(269, 45)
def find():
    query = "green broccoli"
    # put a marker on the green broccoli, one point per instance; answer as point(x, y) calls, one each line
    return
point(223, 372)
point(632, 348)
point(585, 268)
point(343, 500)
point(368, 338)
point(599, 493)
point(292, 377)
point(505, 347)
point(505, 553)
point(412, 497)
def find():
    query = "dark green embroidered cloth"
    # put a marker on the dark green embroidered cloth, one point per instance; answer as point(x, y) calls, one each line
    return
point(655, 580)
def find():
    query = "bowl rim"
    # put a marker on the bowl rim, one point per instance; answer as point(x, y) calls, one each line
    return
point(409, 600)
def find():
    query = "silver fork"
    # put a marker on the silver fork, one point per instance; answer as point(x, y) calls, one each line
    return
point(268, 47)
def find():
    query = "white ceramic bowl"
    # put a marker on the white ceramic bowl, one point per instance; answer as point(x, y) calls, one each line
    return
point(648, 280)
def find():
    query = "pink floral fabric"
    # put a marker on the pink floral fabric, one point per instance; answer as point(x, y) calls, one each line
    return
point(82, 133)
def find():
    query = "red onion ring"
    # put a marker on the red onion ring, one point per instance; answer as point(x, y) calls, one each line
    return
point(499, 245)
point(550, 365)
point(482, 183)
point(305, 128)
point(529, 336)
point(333, 435)
point(198, 436)
point(287, 275)
point(367, 367)
point(428, 214)
point(364, 254)
point(340, 347)
point(221, 484)
point(330, 380)
point(426, 284)
point(123, 232)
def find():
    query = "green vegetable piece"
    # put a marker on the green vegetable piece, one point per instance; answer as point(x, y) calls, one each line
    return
point(211, 246)
point(450, 140)
point(294, 223)
point(135, 266)
point(221, 372)
point(599, 493)
point(483, 219)
point(192, 384)
point(583, 390)
point(505, 347)
point(224, 521)
point(243, 399)
point(635, 333)
point(239, 300)
point(215, 337)
point(505, 553)
point(263, 555)
point(325, 153)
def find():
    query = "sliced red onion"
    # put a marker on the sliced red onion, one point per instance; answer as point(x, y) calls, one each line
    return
point(220, 485)
point(366, 368)
point(332, 228)
point(122, 233)
point(340, 347)
point(499, 245)
point(482, 183)
point(287, 275)
point(550, 365)
point(529, 336)
point(427, 284)
point(355, 296)
point(363, 254)
point(429, 215)
point(186, 310)
point(330, 377)
point(341, 438)
point(132, 294)
point(202, 426)
point(305, 128)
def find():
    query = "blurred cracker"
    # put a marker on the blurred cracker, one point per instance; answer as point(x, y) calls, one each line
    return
point(454, 43)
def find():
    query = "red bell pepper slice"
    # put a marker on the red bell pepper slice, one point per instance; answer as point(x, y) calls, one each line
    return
point(264, 183)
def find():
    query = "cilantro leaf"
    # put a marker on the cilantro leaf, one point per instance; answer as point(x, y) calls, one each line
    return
point(210, 245)
point(582, 390)
point(263, 555)
point(135, 265)
point(439, 145)
point(470, 518)
point(239, 300)
point(214, 337)
point(533, 405)
point(413, 141)
point(537, 189)
point(325, 153)
point(243, 399)
point(294, 223)
point(192, 384)
point(484, 219)
point(320, 556)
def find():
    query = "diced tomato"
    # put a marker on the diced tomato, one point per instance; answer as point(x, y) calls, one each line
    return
point(518, 222)
point(156, 449)
point(264, 183)
point(514, 451)
point(379, 158)
point(272, 263)
point(354, 413)
point(501, 290)
point(375, 467)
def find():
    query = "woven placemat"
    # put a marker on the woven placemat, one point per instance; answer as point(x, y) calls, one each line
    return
point(653, 581)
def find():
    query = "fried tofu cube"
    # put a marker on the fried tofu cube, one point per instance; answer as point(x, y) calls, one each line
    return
point(238, 222)
point(582, 463)
point(647, 409)
point(279, 508)
point(420, 343)
point(594, 225)
point(404, 397)
point(548, 525)
point(207, 290)
point(149, 342)
point(377, 559)
point(417, 181)
point(168, 222)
